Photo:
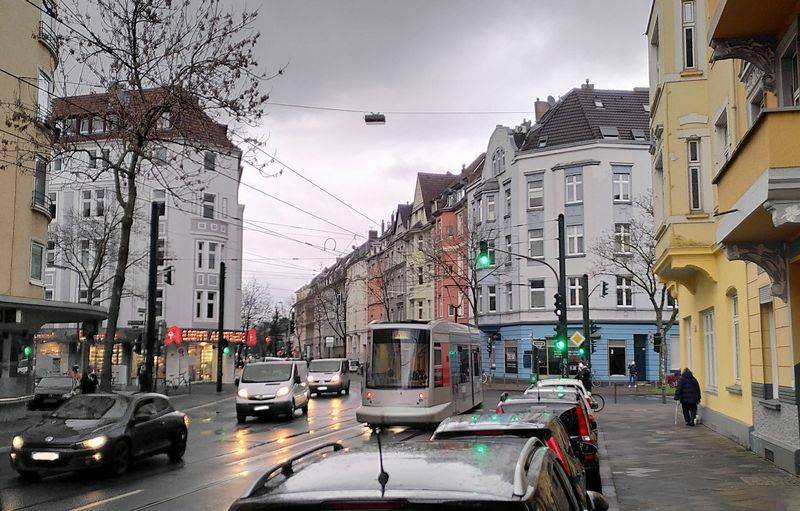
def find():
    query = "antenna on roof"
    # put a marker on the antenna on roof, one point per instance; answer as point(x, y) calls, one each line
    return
point(383, 476)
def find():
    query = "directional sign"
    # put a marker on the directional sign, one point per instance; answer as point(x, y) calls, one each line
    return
point(577, 338)
point(539, 343)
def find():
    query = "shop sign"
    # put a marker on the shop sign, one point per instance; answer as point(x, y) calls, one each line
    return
point(194, 335)
point(252, 340)
point(229, 335)
point(173, 336)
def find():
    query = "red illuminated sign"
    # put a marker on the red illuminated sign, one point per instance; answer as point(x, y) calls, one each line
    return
point(174, 335)
point(252, 340)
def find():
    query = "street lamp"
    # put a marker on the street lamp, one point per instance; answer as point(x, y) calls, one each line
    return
point(374, 118)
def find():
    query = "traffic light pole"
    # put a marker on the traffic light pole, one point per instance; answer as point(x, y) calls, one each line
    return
point(587, 334)
point(562, 285)
point(150, 343)
point(221, 326)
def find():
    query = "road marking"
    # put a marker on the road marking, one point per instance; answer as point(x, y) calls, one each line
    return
point(4, 450)
point(218, 401)
point(106, 501)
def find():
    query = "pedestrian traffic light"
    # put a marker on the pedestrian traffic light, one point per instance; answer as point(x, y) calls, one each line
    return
point(27, 350)
point(484, 260)
point(604, 289)
point(657, 342)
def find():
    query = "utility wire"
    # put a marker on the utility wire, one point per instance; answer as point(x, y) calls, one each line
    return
point(399, 112)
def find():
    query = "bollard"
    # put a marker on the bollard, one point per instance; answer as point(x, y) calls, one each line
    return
point(615, 393)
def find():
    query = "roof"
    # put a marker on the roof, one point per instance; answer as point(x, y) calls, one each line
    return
point(532, 419)
point(483, 470)
point(188, 118)
point(582, 114)
point(432, 186)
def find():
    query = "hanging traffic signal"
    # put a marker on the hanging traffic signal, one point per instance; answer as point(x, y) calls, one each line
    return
point(27, 350)
point(168, 276)
point(604, 289)
point(484, 260)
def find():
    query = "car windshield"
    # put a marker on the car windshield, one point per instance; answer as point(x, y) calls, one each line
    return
point(324, 366)
point(56, 382)
point(265, 373)
point(90, 407)
point(400, 358)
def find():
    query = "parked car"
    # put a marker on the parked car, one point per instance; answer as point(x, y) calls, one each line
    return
point(329, 375)
point(538, 423)
point(53, 390)
point(355, 366)
point(504, 473)
point(277, 387)
point(100, 430)
point(571, 410)
point(567, 383)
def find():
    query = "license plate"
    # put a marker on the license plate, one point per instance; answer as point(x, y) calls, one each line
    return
point(261, 408)
point(45, 456)
point(322, 388)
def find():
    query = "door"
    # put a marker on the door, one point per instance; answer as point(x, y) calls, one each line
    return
point(640, 355)
point(147, 433)
point(616, 358)
point(477, 389)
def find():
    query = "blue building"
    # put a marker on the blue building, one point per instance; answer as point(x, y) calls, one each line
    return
point(586, 157)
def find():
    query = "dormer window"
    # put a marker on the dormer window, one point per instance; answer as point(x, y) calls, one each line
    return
point(542, 141)
point(609, 132)
point(97, 124)
point(638, 134)
point(598, 103)
point(164, 122)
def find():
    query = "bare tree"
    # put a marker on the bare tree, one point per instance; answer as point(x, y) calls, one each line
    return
point(170, 70)
point(631, 253)
point(256, 303)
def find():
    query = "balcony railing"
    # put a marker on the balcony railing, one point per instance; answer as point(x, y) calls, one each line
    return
point(41, 202)
point(48, 37)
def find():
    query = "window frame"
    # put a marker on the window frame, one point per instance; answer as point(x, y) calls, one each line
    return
point(33, 279)
point(622, 238)
point(736, 339)
point(507, 194)
point(538, 239)
point(573, 183)
point(574, 287)
point(617, 186)
point(689, 26)
point(491, 294)
point(624, 289)
point(709, 349)
point(491, 213)
point(536, 193)
point(575, 236)
point(695, 174)
point(536, 289)
point(509, 296)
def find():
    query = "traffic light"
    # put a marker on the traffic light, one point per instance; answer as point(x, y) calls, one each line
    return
point(226, 350)
point(168, 276)
point(657, 342)
point(291, 323)
point(484, 260)
point(604, 289)
point(581, 351)
point(27, 350)
point(561, 344)
point(558, 304)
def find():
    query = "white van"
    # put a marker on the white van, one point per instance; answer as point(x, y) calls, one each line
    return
point(275, 387)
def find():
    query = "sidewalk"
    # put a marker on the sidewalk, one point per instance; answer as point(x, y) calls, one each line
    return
point(656, 464)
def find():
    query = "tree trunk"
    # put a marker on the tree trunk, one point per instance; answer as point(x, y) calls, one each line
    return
point(117, 287)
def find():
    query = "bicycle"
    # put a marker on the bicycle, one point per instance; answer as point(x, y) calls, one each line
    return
point(486, 378)
point(598, 402)
point(176, 382)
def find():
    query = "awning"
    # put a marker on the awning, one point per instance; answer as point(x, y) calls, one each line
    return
point(31, 313)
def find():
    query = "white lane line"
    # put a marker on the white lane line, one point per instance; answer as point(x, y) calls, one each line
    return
point(106, 501)
point(212, 403)
point(5, 449)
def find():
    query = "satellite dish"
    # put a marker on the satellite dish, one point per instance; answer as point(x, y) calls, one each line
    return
point(551, 100)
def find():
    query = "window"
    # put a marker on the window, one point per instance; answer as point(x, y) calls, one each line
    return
point(92, 201)
point(460, 223)
point(480, 298)
point(209, 161)
point(37, 261)
point(498, 161)
point(622, 238)
point(598, 103)
point(69, 123)
point(490, 216)
point(419, 309)
point(492, 298)
point(695, 182)
point(93, 159)
point(574, 185)
point(160, 302)
point(542, 142)
point(721, 136)
point(491, 251)
point(755, 104)
point(84, 125)
point(39, 181)
point(160, 198)
point(44, 95)
point(536, 242)
point(688, 34)
point(574, 285)
point(622, 187)
point(508, 202)
point(639, 134)
point(420, 277)
point(160, 156)
point(97, 124)
point(536, 288)
point(710, 361)
point(575, 240)
point(83, 296)
point(624, 292)
point(737, 376)
point(790, 76)
point(208, 205)
point(419, 243)
point(165, 122)
point(161, 251)
point(99, 202)
point(207, 255)
point(106, 154)
point(508, 250)
point(51, 254)
point(479, 212)
point(48, 294)
point(53, 203)
point(205, 304)
point(609, 132)
point(510, 297)
point(535, 193)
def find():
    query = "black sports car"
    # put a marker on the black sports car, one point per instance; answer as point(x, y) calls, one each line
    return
point(100, 430)
point(53, 390)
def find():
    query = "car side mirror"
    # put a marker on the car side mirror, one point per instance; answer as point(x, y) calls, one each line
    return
point(236, 382)
point(297, 379)
point(593, 424)
point(598, 501)
point(503, 396)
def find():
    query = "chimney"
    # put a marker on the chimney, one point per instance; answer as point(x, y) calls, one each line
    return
point(540, 108)
point(372, 235)
point(587, 85)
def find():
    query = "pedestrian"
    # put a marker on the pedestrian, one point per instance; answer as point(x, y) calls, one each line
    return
point(633, 372)
point(85, 383)
point(75, 373)
point(688, 393)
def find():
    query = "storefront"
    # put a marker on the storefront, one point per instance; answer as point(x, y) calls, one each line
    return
point(191, 355)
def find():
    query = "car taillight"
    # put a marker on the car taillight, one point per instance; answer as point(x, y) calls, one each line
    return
point(583, 423)
point(552, 444)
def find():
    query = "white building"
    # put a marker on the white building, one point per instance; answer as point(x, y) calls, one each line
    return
point(586, 157)
point(200, 227)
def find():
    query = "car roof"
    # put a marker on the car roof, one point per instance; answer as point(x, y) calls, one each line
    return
point(464, 468)
point(548, 382)
point(329, 359)
point(270, 362)
point(535, 418)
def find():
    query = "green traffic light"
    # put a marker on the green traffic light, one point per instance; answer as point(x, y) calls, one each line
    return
point(561, 345)
point(581, 351)
point(27, 351)
point(226, 350)
point(480, 448)
point(483, 261)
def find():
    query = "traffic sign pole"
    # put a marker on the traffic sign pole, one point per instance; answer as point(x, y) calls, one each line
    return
point(585, 301)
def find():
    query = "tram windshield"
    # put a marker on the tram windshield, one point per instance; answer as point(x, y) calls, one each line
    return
point(400, 358)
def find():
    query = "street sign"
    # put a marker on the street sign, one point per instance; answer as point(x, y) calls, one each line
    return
point(539, 343)
point(577, 338)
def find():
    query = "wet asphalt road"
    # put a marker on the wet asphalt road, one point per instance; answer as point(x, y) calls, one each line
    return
point(222, 460)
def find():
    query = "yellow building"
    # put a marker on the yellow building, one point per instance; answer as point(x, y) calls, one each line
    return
point(27, 64)
point(725, 88)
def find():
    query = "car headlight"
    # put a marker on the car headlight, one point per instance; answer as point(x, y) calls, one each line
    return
point(243, 393)
point(335, 378)
point(95, 443)
point(310, 379)
point(186, 420)
point(282, 391)
point(17, 442)
point(66, 395)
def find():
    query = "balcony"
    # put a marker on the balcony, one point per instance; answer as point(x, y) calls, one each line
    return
point(41, 203)
point(48, 37)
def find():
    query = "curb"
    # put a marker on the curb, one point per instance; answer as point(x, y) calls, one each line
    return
point(609, 489)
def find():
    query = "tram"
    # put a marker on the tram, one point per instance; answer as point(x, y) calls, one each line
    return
point(420, 373)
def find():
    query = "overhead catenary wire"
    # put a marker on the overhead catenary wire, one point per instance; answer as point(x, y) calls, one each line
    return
point(399, 112)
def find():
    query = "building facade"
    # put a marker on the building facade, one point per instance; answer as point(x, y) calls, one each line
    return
point(199, 228)
point(30, 57)
point(386, 269)
point(586, 157)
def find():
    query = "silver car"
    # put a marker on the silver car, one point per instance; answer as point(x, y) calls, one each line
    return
point(272, 388)
point(329, 375)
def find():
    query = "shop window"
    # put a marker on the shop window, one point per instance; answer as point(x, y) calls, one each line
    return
point(511, 360)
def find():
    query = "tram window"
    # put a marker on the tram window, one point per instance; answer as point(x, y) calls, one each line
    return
point(438, 372)
point(476, 362)
point(463, 364)
point(400, 358)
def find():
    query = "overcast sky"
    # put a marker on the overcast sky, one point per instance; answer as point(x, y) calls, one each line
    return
point(408, 56)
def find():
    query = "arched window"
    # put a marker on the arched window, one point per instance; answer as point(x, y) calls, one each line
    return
point(499, 160)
